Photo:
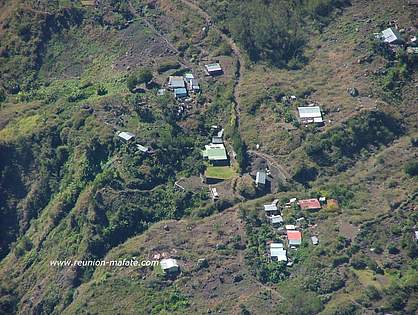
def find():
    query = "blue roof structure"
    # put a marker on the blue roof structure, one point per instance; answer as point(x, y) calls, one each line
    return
point(180, 92)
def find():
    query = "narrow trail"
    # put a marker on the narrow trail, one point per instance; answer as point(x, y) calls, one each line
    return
point(235, 49)
point(159, 34)
point(282, 171)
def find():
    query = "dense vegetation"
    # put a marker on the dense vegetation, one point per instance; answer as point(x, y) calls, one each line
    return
point(272, 31)
point(339, 146)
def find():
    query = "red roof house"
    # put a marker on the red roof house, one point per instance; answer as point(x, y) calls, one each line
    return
point(309, 204)
point(294, 237)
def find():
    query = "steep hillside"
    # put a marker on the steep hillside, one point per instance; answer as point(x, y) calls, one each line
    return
point(73, 74)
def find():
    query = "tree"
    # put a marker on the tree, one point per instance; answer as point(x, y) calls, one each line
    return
point(131, 82)
point(144, 76)
point(411, 168)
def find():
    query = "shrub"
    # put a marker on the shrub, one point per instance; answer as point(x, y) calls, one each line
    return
point(411, 168)
point(392, 249)
point(144, 76)
point(304, 174)
point(168, 65)
point(101, 90)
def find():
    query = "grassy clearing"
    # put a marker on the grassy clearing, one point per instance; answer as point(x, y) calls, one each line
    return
point(20, 127)
point(220, 172)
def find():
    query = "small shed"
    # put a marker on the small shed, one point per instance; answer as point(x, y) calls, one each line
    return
point(260, 179)
point(180, 92)
point(310, 114)
point(294, 238)
point(213, 69)
point(271, 209)
point(416, 235)
point(214, 193)
point(290, 227)
point(276, 220)
point(188, 77)
point(169, 265)
point(391, 36)
point(142, 148)
point(194, 85)
point(217, 140)
point(176, 82)
point(278, 252)
point(310, 204)
point(127, 136)
point(314, 240)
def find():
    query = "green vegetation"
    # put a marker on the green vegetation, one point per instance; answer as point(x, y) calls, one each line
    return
point(272, 31)
point(219, 172)
point(338, 147)
point(411, 168)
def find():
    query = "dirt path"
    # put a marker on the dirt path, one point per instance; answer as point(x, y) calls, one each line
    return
point(235, 49)
point(281, 170)
point(183, 62)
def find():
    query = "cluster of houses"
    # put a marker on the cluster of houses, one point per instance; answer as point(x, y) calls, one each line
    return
point(183, 85)
point(293, 236)
point(130, 137)
point(215, 152)
point(394, 40)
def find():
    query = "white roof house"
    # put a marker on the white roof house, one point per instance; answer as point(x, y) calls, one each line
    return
point(176, 82)
point(142, 148)
point(310, 114)
point(270, 208)
point(214, 193)
point(314, 240)
point(169, 265)
point(290, 227)
point(276, 219)
point(391, 36)
point(213, 68)
point(260, 178)
point(277, 250)
point(125, 135)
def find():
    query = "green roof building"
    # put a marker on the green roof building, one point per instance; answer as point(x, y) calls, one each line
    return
point(215, 153)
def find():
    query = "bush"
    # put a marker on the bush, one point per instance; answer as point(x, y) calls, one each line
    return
point(144, 76)
point(304, 174)
point(411, 168)
point(131, 82)
point(2, 95)
point(101, 90)
point(168, 65)
point(392, 249)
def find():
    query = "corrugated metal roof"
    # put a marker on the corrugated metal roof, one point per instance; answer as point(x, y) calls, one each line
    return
point(168, 263)
point(261, 177)
point(213, 67)
point(215, 152)
point(126, 135)
point(176, 82)
point(391, 35)
point(310, 112)
point(270, 207)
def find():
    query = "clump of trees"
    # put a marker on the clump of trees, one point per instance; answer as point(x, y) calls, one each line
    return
point(411, 168)
point(340, 145)
point(144, 75)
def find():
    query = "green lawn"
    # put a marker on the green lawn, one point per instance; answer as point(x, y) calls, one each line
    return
point(220, 172)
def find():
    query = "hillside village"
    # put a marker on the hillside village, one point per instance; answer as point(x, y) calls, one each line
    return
point(263, 178)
